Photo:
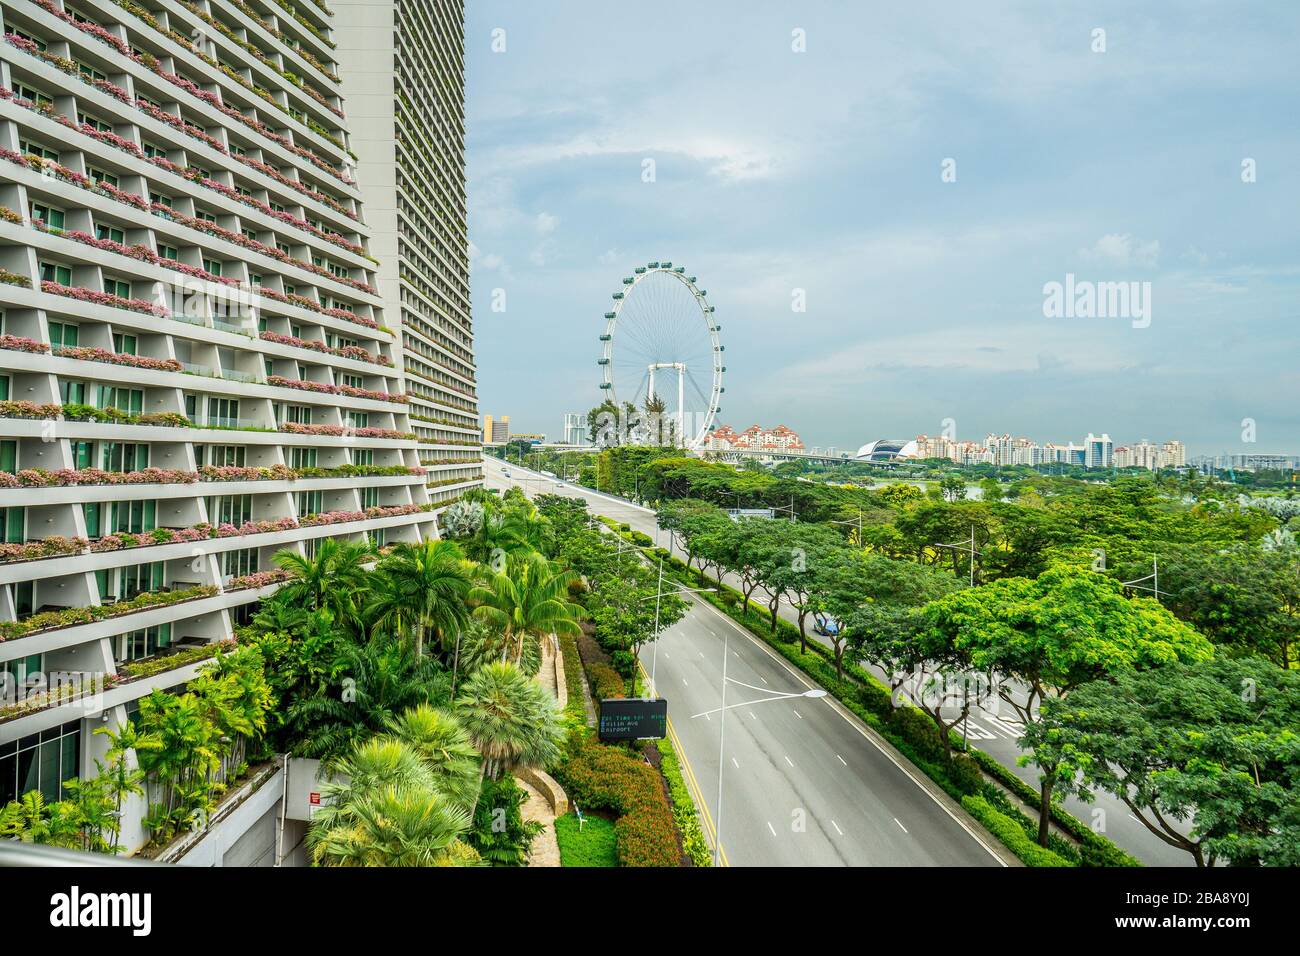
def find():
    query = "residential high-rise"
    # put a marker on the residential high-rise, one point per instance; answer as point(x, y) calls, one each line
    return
point(1097, 451)
point(496, 431)
point(402, 64)
point(576, 430)
point(196, 367)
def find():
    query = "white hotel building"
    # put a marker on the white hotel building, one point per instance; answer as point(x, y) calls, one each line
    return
point(199, 331)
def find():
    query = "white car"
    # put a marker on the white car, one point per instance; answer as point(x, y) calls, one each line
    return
point(505, 472)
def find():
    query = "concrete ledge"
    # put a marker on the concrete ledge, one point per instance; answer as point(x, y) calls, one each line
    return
point(541, 781)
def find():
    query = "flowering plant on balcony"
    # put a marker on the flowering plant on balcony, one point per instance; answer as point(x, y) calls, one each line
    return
point(86, 354)
point(13, 278)
point(8, 215)
point(68, 617)
point(104, 298)
point(40, 478)
point(18, 343)
point(347, 351)
point(294, 428)
point(237, 473)
point(368, 393)
point(51, 547)
point(331, 517)
point(21, 409)
point(314, 306)
point(259, 579)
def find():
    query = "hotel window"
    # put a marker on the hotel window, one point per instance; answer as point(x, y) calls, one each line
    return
point(111, 233)
point(117, 287)
point(223, 411)
point(160, 199)
point(53, 272)
point(12, 525)
point(123, 343)
point(72, 393)
point(83, 454)
point(154, 152)
point(359, 419)
point(41, 762)
point(123, 457)
point(102, 177)
point(298, 414)
point(31, 93)
point(122, 584)
point(129, 400)
point(94, 122)
point(352, 381)
point(115, 517)
point(169, 252)
point(309, 503)
point(213, 266)
point(143, 643)
point(302, 457)
point(221, 456)
point(53, 218)
point(230, 509)
point(27, 147)
point(63, 335)
point(239, 562)
point(363, 456)
point(369, 497)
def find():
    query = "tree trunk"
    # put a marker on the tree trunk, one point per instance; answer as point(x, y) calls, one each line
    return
point(1045, 808)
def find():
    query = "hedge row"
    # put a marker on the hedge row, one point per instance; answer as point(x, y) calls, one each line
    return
point(597, 776)
point(1010, 833)
point(575, 705)
point(685, 815)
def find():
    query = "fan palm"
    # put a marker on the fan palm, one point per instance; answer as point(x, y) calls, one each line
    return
point(422, 590)
point(445, 749)
point(529, 597)
point(396, 826)
point(511, 719)
point(333, 578)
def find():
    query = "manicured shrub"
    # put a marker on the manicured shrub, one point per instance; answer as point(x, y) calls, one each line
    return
point(598, 776)
point(605, 682)
point(965, 773)
point(875, 698)
point(624, 662)
point(1010, 833)
point(919, 731)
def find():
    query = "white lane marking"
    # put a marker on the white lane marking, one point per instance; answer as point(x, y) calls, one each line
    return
point(797, 714)
point(751, 716)
point(841, 760)
point(684, 684)
point(837, 828)
point(900, 825)
point(788, 760)
point(772, 828)
point(734, 763)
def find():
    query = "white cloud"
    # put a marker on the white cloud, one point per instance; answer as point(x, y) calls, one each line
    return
point(545, 223)
point(1116, 249)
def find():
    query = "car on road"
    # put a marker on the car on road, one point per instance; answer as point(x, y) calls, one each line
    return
point(826, 626)
point(505, 472)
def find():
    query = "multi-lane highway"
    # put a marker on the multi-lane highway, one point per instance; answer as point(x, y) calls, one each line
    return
point(804, 783)
point(992, 730)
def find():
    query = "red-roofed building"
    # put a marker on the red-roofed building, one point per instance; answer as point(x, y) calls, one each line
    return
point(755, 438)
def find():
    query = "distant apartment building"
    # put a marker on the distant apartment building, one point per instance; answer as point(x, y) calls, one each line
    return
point(755, 438)
point(496, 431)
point(1098, 451)
point(576, 430)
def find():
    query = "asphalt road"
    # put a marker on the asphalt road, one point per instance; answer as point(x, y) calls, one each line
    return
point(803, 783)
point(995, 730)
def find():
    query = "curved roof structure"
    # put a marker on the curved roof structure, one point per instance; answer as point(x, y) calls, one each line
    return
point(886, 449)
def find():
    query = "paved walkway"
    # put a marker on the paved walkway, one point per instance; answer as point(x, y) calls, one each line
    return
point(545, 850)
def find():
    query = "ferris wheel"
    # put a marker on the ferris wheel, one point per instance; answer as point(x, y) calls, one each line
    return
point(661, 347)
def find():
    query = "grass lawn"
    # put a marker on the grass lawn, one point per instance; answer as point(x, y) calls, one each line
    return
point(594, 846)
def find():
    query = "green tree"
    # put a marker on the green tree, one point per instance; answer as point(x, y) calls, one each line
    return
point(333, 578)
point(421, 590)
point(1046, 636)
point(1212, 743)
point(530, 597)
point(444, 748)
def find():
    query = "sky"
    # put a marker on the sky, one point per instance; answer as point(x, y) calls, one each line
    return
point(916, 175)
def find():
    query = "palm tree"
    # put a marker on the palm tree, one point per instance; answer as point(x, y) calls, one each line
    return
point(333, 578)
point(529, 597)
point(445, 749)
point(512, 719)
point(396, 827)
point(123, 779)
point(422, 590)
point(389, 812)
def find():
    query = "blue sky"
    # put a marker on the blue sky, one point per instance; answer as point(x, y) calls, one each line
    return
point(821, 171)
